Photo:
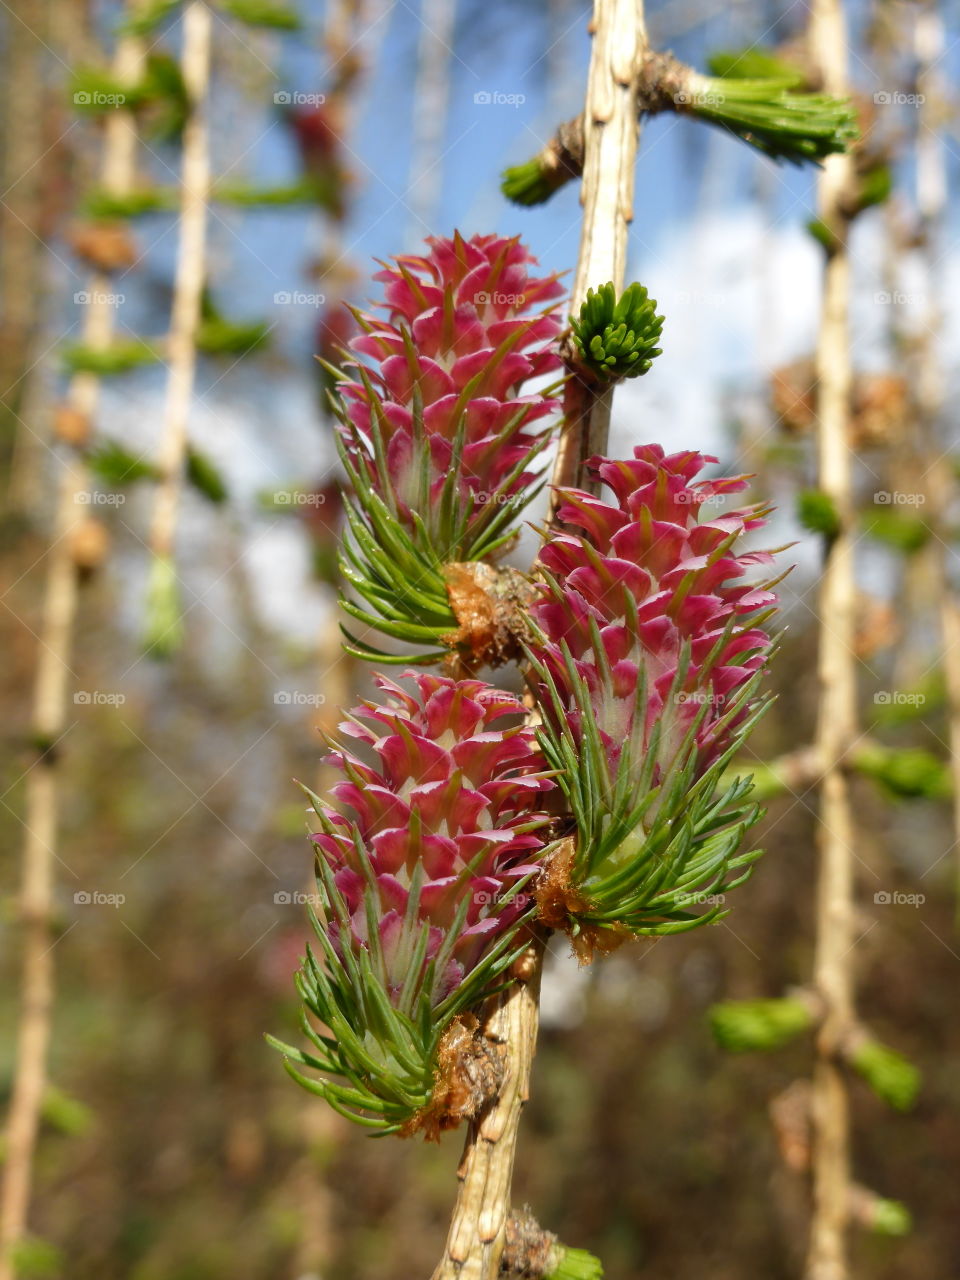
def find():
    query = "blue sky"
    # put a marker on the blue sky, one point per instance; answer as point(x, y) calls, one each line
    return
point(718, 236)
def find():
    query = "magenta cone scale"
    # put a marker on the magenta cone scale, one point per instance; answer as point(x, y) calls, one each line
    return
point(466, 325)
point(652, 641)
point(425, 852)
point(439, 430)
point(452, 797)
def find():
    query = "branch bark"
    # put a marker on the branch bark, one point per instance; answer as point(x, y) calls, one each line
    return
point(477, 1234)
point(51, 690)
point(827, 1257)
point(188, 282)
point(931, 205)
point(610, 135)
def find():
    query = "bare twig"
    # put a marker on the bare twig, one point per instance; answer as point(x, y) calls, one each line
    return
point(827, 1257)
point(188, 283)
point(931, 204)
point(610, 133)
point(477, 1235)
point(51, 689)
point(478, 1229)
point(430, 111)
point(22, 174)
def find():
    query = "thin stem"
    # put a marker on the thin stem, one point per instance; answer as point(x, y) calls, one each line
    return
point(611, 131)
point(51, 690)
point(430, 110)
point(22, 172)
point(478, 1230)
point(931, 205)
point(189, 279)
point(833, 979)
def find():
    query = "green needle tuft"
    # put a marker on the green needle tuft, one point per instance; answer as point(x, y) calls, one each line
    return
point(617, 338)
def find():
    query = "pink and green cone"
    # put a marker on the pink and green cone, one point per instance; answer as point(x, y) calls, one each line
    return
point(652, 648)
point(439, 433)
point(422, 864)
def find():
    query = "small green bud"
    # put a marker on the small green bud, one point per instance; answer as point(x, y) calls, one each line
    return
point(67, 1115)
point(35, 1259)
point(910, 773)
point(822, 234)
point(890, 1218)
point(205, 477)
point(744, 1026)
point(893, 1078)
point(907, 534)
point(164, 629)
point(617, 337)
point(573, 1264)
point(816, 511)
point(530, 183)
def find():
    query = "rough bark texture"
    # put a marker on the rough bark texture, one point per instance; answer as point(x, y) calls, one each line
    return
point(610, 134)
point(50, 702)
point(189, 281)
point(477, 1235)
point(478, 1230)
point(833, 979)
